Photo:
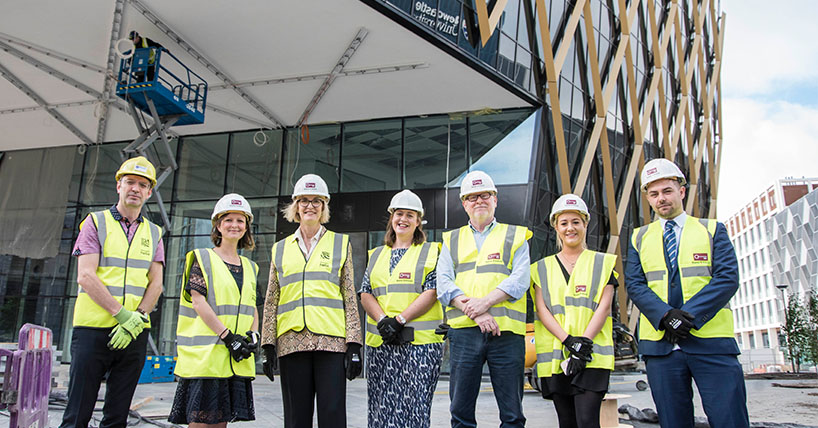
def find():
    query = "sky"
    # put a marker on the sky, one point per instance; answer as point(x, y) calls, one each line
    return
point(770, 103)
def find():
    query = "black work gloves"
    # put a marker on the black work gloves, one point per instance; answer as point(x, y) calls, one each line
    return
point(253, 338)
point(237, 345)
point(579, 346)
point(677, 324)
point(270, 364)
point(389, 329)
point(574, 366)
point(353, 361)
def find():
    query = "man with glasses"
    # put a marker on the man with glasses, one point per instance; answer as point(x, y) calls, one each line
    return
point(483, 275)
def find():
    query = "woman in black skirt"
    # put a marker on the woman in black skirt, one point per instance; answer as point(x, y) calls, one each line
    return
point(573, 290)
point(217, 332)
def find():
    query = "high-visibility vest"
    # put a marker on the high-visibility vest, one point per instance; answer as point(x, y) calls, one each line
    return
point(311, 289)
point(397, 290)
point(123, 268)
point(201, 353)
point(694, 259)
point(573, 305)
point(477, 273)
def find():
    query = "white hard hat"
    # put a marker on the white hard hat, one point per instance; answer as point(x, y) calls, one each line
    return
point(232, 203)
point(476, 182)
point(658, 169)
point(311, 184)
point(569, 202)
point(407, 200)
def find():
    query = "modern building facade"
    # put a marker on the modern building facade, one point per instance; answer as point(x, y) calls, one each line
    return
point(772, 236)
point(547, 96)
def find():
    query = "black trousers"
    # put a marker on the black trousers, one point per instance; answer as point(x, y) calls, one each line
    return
point(307, 376)
point(90, 361)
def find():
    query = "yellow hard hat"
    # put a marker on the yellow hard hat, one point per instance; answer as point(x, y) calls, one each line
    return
point(138, 166)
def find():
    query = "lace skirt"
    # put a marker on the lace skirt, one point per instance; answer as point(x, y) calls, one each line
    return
point(212, 401)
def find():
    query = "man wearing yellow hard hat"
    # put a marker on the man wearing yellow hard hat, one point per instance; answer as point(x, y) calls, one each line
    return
point(119, 271)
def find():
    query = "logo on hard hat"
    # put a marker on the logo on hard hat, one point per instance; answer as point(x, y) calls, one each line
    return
point(652, 171)
point(236, 202)
point(571, 202)
point(700, 257)
point(309, 185)
point(477, 182)
point(140, 168)
point(493, 256)
point(579, 289)
point(405, 275)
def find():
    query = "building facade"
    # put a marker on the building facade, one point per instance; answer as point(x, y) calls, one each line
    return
point(605, 85)
point(768, 235)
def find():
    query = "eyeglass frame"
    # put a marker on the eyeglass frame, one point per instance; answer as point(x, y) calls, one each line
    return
point(315, 203)
point(475, 196)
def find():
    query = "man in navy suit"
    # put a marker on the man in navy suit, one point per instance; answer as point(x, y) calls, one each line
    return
point(681, 273)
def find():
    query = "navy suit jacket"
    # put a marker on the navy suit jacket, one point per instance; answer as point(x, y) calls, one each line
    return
point(703, 305)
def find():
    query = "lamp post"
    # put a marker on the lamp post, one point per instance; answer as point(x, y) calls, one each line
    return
point(782, 287)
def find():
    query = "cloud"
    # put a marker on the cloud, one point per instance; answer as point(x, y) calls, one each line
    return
point(764, 141)
point(769, 46)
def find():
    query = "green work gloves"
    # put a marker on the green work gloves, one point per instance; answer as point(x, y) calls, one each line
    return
point(120, 339)
point(131, 324)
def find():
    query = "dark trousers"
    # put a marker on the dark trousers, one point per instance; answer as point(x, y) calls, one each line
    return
point(310, 376)
point(580, 410)
point(719, 379)
point(505, 355)
point(90, 361)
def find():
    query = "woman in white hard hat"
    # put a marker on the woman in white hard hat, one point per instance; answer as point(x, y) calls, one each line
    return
point(399, 295)
point(573, 291)
point(311, 326)
point(217, 332)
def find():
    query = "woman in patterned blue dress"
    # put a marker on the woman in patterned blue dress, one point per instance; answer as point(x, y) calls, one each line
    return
point(400, 297)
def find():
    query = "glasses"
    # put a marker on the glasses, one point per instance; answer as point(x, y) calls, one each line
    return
point(483, 196)
point(306, 202)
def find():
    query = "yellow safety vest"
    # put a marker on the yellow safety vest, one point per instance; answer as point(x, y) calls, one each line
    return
point(123, 268)
point(397, 290)
point(695, 258)
point(201, 353)
point(311, 289)
point(477, 273)
point(573, 305)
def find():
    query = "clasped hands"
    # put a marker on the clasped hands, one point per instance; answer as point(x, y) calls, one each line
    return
point(477, 308)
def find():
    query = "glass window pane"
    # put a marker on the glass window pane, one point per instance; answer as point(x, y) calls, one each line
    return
point(428, 142)
point(201, 167)
point(99, 182)
point(371, 156)
point(319, 155)
point(255, 159)
point(501, 144)
point(193, 218)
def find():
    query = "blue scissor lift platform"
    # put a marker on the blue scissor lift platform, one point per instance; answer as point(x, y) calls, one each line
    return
point(155, 83)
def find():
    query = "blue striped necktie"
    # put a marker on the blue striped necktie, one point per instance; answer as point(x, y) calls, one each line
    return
point(670, 244)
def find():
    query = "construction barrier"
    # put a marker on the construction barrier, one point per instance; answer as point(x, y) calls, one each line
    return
point(27, 378)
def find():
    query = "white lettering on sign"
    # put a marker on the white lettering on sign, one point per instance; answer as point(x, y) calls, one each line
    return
point(440, 20)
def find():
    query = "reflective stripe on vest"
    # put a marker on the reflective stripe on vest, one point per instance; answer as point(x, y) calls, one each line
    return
point(695, 257)
point(395, 291)
point(573, 305)
point(310, 289)
point(123, 267)
point(201, 353)
point(477, 273)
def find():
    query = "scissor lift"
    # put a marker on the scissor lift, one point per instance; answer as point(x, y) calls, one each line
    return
point(155, 83)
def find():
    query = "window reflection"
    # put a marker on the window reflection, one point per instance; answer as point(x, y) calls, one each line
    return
point(501, 144)
point(316, 152)
point(429, 143)
point(371, 156)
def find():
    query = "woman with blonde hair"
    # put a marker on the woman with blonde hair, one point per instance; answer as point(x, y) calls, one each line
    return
point(573, 291)
point(399, 295)
point(311, 327)
point(218, 304)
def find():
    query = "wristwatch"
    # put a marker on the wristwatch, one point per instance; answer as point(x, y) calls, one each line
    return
point(400, 318)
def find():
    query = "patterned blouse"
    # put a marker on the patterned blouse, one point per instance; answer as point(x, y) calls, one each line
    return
point(305, 340)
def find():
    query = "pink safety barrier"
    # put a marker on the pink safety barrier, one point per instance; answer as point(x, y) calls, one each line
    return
point(27, 378)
